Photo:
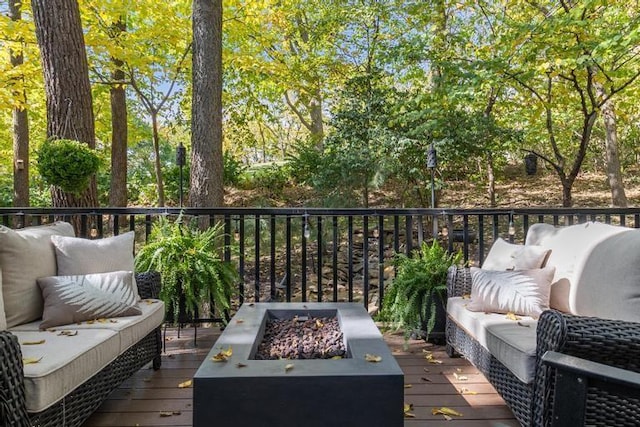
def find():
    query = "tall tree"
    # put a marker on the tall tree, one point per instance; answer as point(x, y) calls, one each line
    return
point(206, 124)
point(20, 123)
point(119, 128)
point(66, 79)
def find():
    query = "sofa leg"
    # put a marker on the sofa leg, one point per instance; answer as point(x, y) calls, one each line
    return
point(157, 362)
point(451, 352)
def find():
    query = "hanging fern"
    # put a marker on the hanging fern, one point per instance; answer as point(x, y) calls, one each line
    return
point(189, 261)
point(67, 164)
point(419, 284)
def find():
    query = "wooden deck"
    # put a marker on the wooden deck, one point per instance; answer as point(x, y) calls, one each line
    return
point(153, 398)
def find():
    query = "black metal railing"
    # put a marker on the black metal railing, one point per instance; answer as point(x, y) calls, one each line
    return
point(314, 254)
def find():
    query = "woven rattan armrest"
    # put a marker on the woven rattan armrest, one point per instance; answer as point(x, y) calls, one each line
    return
point(610, 342)
point(458, 281)
point(12, 396)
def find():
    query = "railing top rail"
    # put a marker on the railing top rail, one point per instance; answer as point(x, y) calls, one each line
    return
point(299, 211)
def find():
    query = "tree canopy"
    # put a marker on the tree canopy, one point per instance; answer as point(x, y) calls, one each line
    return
point(344, 96)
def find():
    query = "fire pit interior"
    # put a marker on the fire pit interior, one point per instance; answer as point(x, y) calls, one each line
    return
point(302, 336)
point(244, 389)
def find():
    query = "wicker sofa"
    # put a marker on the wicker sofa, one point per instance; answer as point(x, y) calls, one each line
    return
point(60, 375)
point(594, 315)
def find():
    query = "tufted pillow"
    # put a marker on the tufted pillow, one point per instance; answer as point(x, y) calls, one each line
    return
point(73, 299)
point(25, 255)
point(508, 256)
point(524, 292)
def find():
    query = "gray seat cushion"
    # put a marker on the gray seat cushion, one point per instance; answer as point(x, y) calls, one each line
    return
point(514, 345)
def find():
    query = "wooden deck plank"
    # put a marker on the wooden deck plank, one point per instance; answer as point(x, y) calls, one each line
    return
point(140, 400)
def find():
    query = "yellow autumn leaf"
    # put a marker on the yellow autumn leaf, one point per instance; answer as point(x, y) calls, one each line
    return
point(460, 377)
point(68, 333)
point(219, 357)
point(33, 342)
point(31, 360)
point(372, 358)
point(512, 316)
point(407, 410)
point(466, 296)
point(228, 352)
point(408, 386)
point(467, 391)
point(185, 384)
point(445, 411)
point(166, 413)
point(319, 324)
point(336, 357)
point(288, 367)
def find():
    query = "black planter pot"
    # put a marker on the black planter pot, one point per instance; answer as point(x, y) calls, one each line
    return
point(437, 334)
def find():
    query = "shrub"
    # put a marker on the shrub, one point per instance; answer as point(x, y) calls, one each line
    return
point(67, 164)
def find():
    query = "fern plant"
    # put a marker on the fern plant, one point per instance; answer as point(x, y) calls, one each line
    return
point(190, 264)
point(410, 302)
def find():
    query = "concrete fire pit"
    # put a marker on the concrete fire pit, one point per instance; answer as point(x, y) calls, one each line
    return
point(350, 392)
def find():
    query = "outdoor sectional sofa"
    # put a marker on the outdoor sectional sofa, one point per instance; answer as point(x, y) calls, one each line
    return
point(75, 322)
point(592, 284)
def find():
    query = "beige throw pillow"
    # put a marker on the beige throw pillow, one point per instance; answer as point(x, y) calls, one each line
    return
point(73, 299)
point(84, 256)
point(509, 256)
point(25, 255)
point(524, 292)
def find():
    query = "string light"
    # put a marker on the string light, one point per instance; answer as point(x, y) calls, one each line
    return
point(307, 231)
point(512, 227)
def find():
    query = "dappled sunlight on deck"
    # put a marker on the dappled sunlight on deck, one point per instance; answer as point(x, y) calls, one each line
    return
point(432, 379)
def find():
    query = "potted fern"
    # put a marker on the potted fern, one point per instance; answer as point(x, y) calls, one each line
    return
point(416, 299)
point(192, 270)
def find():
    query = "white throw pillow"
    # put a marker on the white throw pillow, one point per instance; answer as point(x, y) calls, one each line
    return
point(509, 256)
point(25, 255)
point(73, 299)
point(524, 292)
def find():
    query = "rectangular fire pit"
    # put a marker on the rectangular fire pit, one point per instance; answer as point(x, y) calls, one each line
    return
point(292, 393)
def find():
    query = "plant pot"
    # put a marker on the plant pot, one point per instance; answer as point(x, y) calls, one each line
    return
point(437, 334)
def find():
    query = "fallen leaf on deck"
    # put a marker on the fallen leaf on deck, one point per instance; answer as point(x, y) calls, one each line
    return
point(407, 408)
point(408, 386)
point(513, 316)
point(466, 296)
point(425, 379)
point(241, 365)
point(372, 358)
point(240, 321)
point(447, 418)
point(524, 325)
point(467, 391)
point(288, 367)
point(251, 304)
point(89, 322)
point(319, 324)
point(166, 413)
point(185, 384)
point(113, 321)
point(425, 369)
point(31, 360)
point(68, 333)
point(101, 320)
point(445, 411)
point(430, 359)
point(460, 377)
point(336, 357)
point(33, 342)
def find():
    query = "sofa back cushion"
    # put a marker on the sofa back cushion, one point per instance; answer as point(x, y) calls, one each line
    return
point(83, 256)
point(571, 246)
point(25, 255)
point(609, 279)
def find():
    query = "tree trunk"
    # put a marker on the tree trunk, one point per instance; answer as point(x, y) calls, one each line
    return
point(66, 81)
point(20, 128)
point(614, 174)
point(206, 186)
point(157, 163)
point(491, 181)
point(119, 131)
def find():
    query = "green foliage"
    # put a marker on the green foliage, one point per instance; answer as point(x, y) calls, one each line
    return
point(419, 284)
point(271, 178)
point(67, 164)
point(190, 264)
point(233, 169)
